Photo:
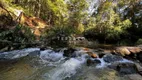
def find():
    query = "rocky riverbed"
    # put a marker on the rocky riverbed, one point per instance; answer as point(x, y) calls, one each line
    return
point(71, 64)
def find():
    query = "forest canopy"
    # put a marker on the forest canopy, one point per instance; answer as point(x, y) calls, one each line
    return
point(108, 21)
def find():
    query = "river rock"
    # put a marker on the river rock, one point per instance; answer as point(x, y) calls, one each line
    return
point(134, 50)
point(93, 62)
point(139, 68)
point(127, 68)
point(89, 62)
point(123, 51)
point(69, 52)
point(109, 58)
point(101, 55)
point(86, 49)
point(93, 55)
point(42, 48)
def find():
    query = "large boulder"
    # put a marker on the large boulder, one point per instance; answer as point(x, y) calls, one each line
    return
point(134, 50)
point(127, 50)
point(109, 58)
point(127, 68)
point(123, 51)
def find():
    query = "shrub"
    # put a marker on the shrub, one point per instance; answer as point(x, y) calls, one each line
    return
point(139, 41)
point(20, 34)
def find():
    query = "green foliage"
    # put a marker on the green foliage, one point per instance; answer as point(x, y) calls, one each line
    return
point(125, 42)
point(68, 17)
point(53, 11)
point(133, 12)
point(57, 31)
point(77, 12)
point(108, 23)
point(139, 42)
point(91, 23)
point(20, 34)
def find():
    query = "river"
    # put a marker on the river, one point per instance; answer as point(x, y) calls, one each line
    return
point(34, 64)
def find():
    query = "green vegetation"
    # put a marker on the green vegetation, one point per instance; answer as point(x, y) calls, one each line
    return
point(108, 24)
point(117, 22)
point(139, 41)
point(18, 34)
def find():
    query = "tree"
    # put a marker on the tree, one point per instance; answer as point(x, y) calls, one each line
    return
point(78, 13)
point(109, 24)
point(53, 11)
point(133, 12)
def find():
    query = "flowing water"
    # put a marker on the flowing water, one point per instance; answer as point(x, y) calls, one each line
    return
point(33, 64)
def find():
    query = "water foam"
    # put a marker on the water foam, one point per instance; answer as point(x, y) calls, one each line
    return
point(51, 57)
point(104, 64)
point(67, 69)
point(17, 53)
